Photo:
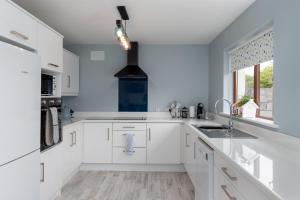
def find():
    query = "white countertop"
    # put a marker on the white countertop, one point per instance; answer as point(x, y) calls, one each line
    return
point(278, 169)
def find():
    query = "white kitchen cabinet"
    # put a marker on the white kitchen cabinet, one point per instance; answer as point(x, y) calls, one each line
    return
point(120, 156)
point(17, 25)
point(223, 190)
point(97, 139)
point(70, 79)
point(245, 187)
point(163, 143)
point(190, 151)
point(72, 149)
point(50, 48)
point(51, 173)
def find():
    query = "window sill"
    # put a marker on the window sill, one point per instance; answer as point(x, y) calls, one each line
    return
point(255, 121)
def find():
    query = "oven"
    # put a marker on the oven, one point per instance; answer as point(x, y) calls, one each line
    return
point(51, 129)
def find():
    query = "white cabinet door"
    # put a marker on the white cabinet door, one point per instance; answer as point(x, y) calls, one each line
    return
point(78, 146)
point(163, 143)
point(97, 143)
point(50, 48)
point(72, 149)
point(70, 82)
point(223, 190)
point(20, 178)
point(190, 152)
point(51, 173)
point(16, 25)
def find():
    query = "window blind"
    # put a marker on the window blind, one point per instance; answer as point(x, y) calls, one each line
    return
point(255, 52)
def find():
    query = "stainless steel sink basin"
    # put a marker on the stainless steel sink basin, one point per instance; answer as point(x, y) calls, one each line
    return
point(223, 132)
point(212, 127)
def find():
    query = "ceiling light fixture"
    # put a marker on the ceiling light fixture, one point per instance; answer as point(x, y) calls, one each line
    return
point(120, 30)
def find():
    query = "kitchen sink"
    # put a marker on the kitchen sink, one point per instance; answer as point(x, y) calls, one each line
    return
point(223, 132)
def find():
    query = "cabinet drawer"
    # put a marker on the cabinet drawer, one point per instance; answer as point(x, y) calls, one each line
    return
point(18, 26)
point(122, 157)
point(239, 181)
point(129, 126)
point(223, 189)
point(139, 138)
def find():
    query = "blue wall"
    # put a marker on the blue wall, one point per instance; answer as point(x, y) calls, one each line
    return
point(175, 72)
point(285, 16)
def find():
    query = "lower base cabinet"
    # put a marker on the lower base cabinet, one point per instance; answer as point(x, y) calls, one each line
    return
point(223, 190)
point(51, 173)
point(163, 143)
point(72, 149)
point(189, 143)
point(97, 143)
point(121, 156)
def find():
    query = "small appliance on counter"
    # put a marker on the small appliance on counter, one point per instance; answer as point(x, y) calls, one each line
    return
point(175, 110)
point(200, 111)
point(51, 133)
point(67, 112)
point(192, 112)
point(184, 112)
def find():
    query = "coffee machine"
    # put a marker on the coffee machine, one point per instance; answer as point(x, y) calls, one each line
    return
point(200, 111)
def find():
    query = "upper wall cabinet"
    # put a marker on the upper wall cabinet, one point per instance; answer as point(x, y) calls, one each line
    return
point(50, 48)
point(70, 80)
point(17, 25)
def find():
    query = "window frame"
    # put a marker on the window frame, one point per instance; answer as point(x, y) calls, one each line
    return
point(256, 90)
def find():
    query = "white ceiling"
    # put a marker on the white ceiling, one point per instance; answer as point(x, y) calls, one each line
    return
point(151, 21)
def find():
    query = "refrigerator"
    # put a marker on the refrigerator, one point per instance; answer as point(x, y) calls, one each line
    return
point(19, 123)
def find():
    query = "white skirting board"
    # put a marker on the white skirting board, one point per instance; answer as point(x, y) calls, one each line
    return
point(132, 167)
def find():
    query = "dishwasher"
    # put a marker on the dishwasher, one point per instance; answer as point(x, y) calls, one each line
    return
point(204, 170)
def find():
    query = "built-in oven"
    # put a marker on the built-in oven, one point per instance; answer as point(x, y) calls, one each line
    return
point(51, 129)
point(48, 85)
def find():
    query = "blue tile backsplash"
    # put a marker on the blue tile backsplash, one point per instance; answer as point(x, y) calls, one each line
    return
point(133, 95)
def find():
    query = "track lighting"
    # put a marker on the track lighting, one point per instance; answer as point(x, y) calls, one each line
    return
point(120, 31)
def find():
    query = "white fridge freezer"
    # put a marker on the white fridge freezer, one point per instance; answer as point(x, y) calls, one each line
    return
point(19, 123)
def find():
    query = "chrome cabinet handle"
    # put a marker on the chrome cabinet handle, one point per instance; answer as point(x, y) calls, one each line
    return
point(53, 65)
point(186, 140)
point(69, 81)
point(42, 180)
point(224, 188)
point(149, 135)
point(194, 150)
point(225, 170)
point(108, 134)
point(124, 134)
point(72, 139)
point(128, 127)
point(75, 134)
point(126, 151)
point(19, 35)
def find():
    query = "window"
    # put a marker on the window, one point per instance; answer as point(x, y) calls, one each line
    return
point(252, 68)
point(256, 82)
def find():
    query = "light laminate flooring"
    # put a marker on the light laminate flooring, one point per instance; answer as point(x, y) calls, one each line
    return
point(95, 185)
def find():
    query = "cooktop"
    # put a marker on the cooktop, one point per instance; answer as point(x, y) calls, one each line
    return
point(116, 118)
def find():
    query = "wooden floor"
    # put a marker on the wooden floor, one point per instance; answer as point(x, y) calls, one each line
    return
point(94, 185)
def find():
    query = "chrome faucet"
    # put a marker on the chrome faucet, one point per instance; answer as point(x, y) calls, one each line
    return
point(230, 122)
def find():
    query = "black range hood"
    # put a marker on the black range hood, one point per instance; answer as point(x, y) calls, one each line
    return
point(132, 70)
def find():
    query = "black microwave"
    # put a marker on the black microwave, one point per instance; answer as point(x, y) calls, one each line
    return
point(48, 85)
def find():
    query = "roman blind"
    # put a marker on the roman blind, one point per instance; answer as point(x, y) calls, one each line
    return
point(254, 52)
